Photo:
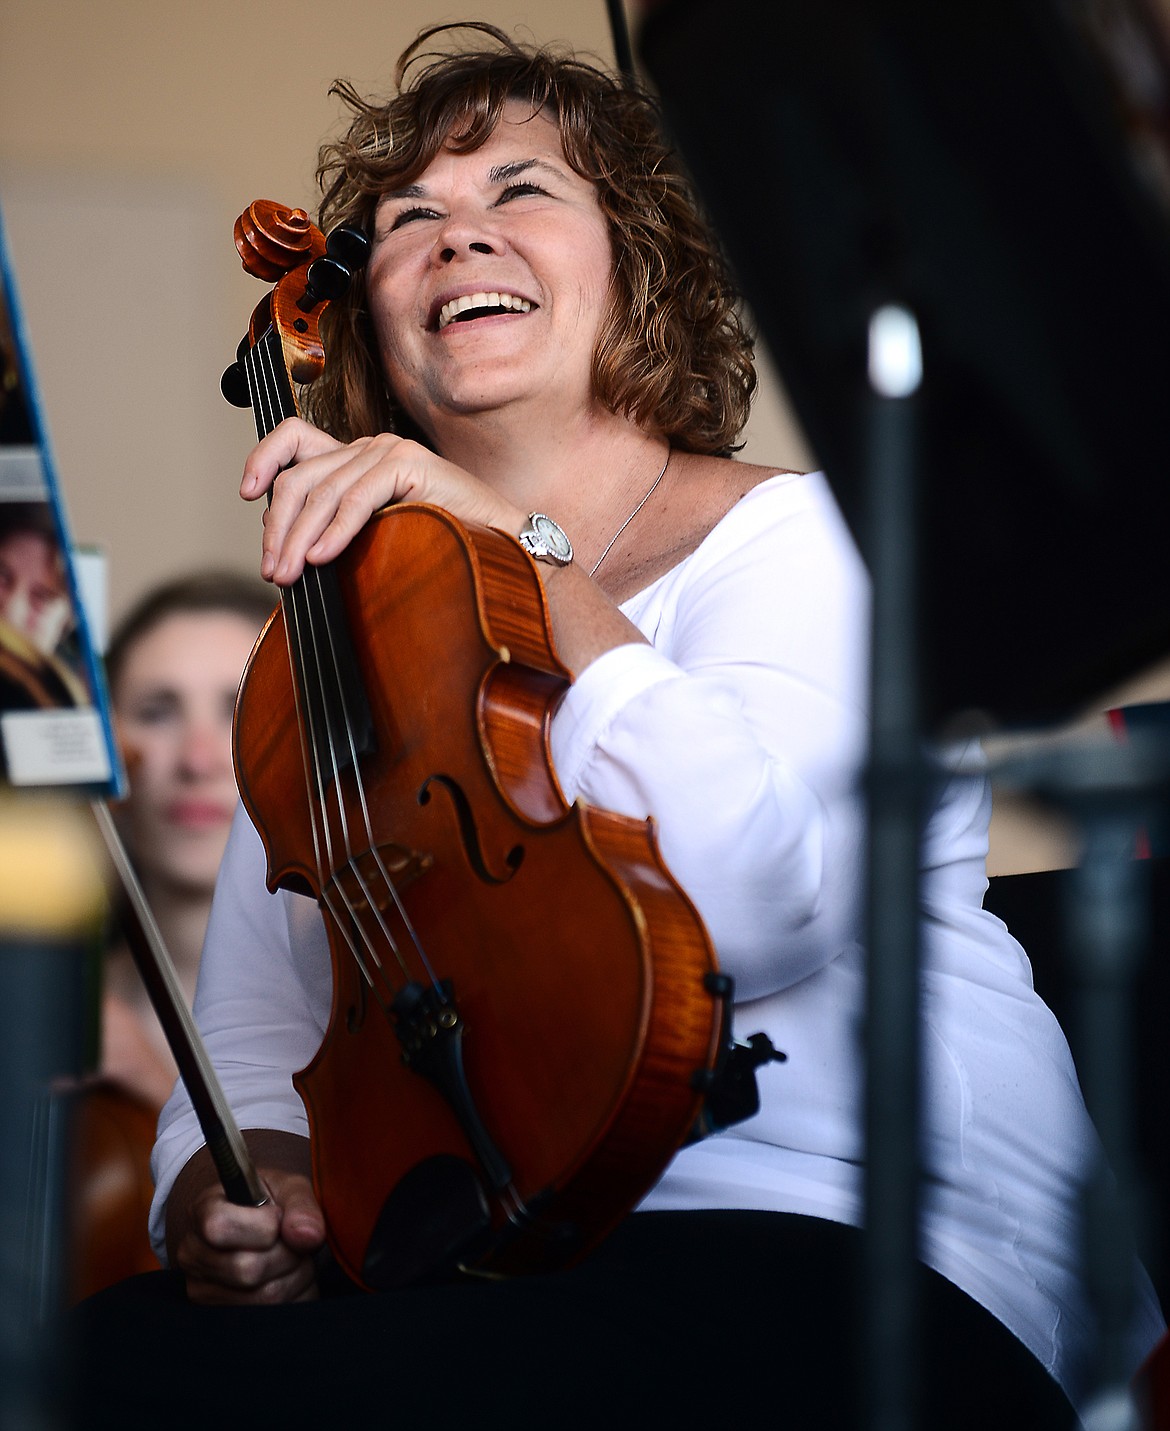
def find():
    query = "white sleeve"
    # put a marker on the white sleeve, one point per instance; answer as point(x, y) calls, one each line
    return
point(742, 731)
point(262, 1003)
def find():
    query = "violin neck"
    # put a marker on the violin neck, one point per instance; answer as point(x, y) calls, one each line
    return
point(269, 385)
point(335, 709)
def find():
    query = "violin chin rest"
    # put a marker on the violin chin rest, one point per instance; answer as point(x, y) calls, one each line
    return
point(436, 1217)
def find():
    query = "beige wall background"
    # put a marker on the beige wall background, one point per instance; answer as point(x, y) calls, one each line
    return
point(132, 133)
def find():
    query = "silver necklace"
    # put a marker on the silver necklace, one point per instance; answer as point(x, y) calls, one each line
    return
point(649, 492)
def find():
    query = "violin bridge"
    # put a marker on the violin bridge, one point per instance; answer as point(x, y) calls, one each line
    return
point(373, 878)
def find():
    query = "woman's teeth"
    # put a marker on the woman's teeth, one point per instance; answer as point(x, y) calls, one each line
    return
point(487, 301)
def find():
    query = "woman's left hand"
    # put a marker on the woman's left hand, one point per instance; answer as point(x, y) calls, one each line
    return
point(324, 492)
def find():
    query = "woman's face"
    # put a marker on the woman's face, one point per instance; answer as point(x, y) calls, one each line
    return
point(173, 706)
point(489, 278)
point(33, 597)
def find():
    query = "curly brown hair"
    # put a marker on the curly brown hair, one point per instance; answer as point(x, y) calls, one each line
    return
point(673, 354)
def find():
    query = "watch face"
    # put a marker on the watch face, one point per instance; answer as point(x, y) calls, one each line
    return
point(551, 534)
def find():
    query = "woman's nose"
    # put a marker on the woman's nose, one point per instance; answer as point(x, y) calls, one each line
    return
point(465, 232)
point(447, 253)
point(205, 748)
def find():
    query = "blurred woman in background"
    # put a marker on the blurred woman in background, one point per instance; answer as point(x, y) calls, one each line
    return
point(174, 664)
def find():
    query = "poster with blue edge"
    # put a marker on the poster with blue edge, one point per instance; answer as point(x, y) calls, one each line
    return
point(55, 726)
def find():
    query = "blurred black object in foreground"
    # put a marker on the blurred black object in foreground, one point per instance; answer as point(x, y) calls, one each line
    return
point(1004, 170)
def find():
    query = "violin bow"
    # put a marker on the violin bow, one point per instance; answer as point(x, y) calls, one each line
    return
point(237, 1172)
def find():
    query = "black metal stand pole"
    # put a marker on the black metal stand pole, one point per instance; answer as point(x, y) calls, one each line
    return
point(1106, 917)
point(51, 902)
point(1111, 791)
point(891, 1319)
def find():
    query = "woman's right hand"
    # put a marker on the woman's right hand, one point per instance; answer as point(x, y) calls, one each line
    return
point(324, 492)
point(243, 1256)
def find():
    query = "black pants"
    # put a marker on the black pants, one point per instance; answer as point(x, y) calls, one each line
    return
point(679, 1319)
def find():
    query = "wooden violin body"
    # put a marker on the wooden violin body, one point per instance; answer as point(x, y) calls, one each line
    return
point(577, 967)
point(526, 1009)
point(111, 1135)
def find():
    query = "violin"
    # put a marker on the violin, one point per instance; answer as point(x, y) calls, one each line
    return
point(111, 1137)
point(527, 1010)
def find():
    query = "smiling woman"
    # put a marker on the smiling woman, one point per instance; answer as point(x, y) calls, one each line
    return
point(545, 343)
point(520, 287)
point(671, 349)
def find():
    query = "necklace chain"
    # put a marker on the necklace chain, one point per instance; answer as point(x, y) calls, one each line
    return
point(649, 492)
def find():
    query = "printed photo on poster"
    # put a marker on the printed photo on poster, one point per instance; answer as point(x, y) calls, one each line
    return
point(55, 725)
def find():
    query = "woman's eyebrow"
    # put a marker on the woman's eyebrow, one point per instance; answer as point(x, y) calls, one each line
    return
point(503, 172)
point(411, 191)
point(500, 174)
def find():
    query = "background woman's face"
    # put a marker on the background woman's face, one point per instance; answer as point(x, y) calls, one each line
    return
point(173, 704)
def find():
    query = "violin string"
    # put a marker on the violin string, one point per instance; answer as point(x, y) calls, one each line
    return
point(269, 354)
point(371, 903)
point(345, 919)
point(264, 389)
point(269, 414)
point(322, 641)
point(370, 842)
point(371, 848)
point(300, 596)
point(295, 622)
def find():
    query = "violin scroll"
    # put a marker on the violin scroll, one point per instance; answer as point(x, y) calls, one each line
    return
point(273, 239)
point(283, 246)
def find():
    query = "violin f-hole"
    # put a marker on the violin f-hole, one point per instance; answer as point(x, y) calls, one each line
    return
point(469, 832)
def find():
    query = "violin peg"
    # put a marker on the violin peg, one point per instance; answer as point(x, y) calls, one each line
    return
point(234, 386)
point(327, 281)
point(346, 249)
point(349, 246)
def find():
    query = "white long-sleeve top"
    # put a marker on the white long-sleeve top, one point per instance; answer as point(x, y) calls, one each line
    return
point(741, 728)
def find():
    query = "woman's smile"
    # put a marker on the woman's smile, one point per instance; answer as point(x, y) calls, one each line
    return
point(472, 307)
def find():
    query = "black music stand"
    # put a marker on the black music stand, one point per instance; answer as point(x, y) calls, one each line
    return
point(981, 164)
point(1003, 171)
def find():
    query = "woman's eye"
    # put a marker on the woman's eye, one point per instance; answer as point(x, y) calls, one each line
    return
point(516, 191)
point(156, 712)
point(408, 216)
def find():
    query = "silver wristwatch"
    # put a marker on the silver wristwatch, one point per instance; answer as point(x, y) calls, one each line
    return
point(543, 539)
